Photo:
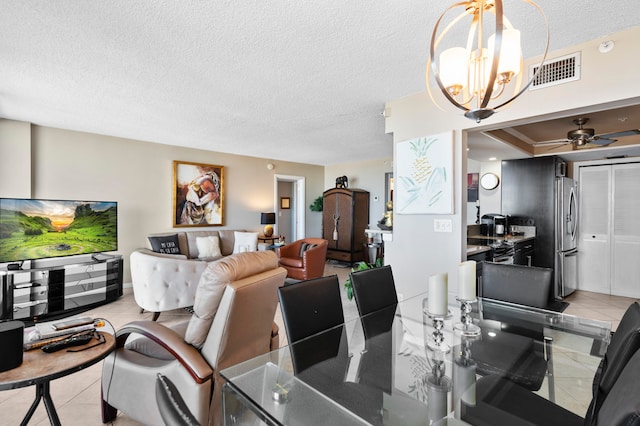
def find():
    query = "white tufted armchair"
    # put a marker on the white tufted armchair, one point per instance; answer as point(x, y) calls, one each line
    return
point(164, 282)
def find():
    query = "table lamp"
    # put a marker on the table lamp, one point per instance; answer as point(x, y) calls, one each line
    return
point(267, 219)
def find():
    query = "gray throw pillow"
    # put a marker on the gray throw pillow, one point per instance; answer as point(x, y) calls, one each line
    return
point(303, 248)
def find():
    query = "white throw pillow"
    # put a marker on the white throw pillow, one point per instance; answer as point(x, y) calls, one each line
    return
point(245, 241)
point(208, 247)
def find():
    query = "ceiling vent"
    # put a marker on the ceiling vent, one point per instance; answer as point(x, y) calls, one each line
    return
point(556, 71)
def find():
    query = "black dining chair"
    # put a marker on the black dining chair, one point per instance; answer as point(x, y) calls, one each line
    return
point(313, 318)
point(311, 306)
point(524, 285)
point(620, 407)
point(376, 362)
point(500, 401)
point(373, 289)
point(624, 343)
point(517, 349)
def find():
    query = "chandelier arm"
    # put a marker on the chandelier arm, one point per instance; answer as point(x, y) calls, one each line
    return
point(490, 83)
point(544, 56)
point(432, 61)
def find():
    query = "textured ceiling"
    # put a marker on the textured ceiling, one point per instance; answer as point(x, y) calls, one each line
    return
point(295, 81)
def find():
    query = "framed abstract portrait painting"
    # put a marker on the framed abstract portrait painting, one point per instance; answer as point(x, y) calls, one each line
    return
point(198, 194)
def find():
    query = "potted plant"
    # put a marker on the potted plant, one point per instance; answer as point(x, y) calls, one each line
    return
point(360, 266)
point(317, 205)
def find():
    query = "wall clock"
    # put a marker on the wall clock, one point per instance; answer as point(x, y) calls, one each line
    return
point(489, 181)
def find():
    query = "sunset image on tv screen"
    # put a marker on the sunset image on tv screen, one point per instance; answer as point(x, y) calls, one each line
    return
point(36, 229)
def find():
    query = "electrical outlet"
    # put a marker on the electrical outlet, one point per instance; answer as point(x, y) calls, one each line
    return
point(442, 225)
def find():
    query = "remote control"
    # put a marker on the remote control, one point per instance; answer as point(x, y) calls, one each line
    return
point(71, 341)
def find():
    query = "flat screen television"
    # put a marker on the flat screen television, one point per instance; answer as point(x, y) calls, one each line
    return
point(37, 229)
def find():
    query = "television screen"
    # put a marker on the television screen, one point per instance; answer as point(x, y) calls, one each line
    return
point(37, 229)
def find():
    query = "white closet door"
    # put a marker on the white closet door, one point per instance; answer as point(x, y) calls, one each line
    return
point(594, 223)
point(625, 256)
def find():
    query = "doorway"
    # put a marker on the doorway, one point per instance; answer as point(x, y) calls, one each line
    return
point(290, 222)
point(609, 239)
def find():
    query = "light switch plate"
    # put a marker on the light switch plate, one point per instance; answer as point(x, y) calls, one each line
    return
point(442, 225)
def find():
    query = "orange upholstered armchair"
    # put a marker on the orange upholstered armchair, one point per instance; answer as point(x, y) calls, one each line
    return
point(304, 259)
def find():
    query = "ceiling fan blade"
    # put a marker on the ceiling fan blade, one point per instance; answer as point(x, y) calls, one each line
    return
point(620, 134)
point(552, 142)
point(602, 141)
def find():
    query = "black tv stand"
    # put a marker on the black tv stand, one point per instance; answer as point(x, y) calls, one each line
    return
point(64, 287)
point(101, 257)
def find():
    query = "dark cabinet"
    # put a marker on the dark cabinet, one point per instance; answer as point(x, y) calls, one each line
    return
point(345, 216)
point(523, 252)
point(528, 190)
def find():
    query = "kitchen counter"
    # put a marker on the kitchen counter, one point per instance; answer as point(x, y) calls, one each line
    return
point(516, 249)
point(508, 238)
point(475, 249)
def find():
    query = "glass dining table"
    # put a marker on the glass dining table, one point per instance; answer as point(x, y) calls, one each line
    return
point(402, 365)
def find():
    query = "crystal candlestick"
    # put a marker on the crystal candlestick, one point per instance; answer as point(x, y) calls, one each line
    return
point(466, 325)
point(437, 342)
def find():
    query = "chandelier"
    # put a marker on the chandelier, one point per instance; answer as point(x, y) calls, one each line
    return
point(475, 78)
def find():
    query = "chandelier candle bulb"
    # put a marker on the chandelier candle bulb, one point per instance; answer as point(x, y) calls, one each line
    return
point(438, 295)
point(467, 280)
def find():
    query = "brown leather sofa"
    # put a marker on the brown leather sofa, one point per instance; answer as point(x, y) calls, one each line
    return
point(304, 259)
point(234, 307)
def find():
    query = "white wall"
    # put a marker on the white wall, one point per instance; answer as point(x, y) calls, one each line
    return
point(15, 159)
point(417, 251)
point(64, 164)
point(491, 199)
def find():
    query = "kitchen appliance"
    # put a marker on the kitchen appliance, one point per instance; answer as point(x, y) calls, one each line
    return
point(566, 236)
point(493, 225)
point(536, 188)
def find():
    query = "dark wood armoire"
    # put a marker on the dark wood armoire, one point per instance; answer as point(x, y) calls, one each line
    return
point(345, 216)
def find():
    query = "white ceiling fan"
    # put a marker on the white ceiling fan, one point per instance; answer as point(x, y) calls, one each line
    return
point(582, 137)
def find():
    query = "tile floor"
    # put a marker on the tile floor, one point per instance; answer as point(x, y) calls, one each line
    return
point(77, 396)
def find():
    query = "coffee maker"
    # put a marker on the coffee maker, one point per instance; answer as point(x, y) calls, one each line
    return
point(493, 225)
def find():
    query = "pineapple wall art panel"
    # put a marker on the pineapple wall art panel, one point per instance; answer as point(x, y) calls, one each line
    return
point(425, 175)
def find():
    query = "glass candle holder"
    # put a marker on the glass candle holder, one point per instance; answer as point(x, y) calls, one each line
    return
point(438, 387)
point(437, 343)
point(466, 325)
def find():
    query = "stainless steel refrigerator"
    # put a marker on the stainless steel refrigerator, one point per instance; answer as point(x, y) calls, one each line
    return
point(536, 188)
point(566, 262)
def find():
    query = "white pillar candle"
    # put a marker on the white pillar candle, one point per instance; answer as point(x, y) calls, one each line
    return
point(438, 294)
point(467, 280)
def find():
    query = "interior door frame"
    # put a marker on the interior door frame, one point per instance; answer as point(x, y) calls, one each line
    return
point(298, 202)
